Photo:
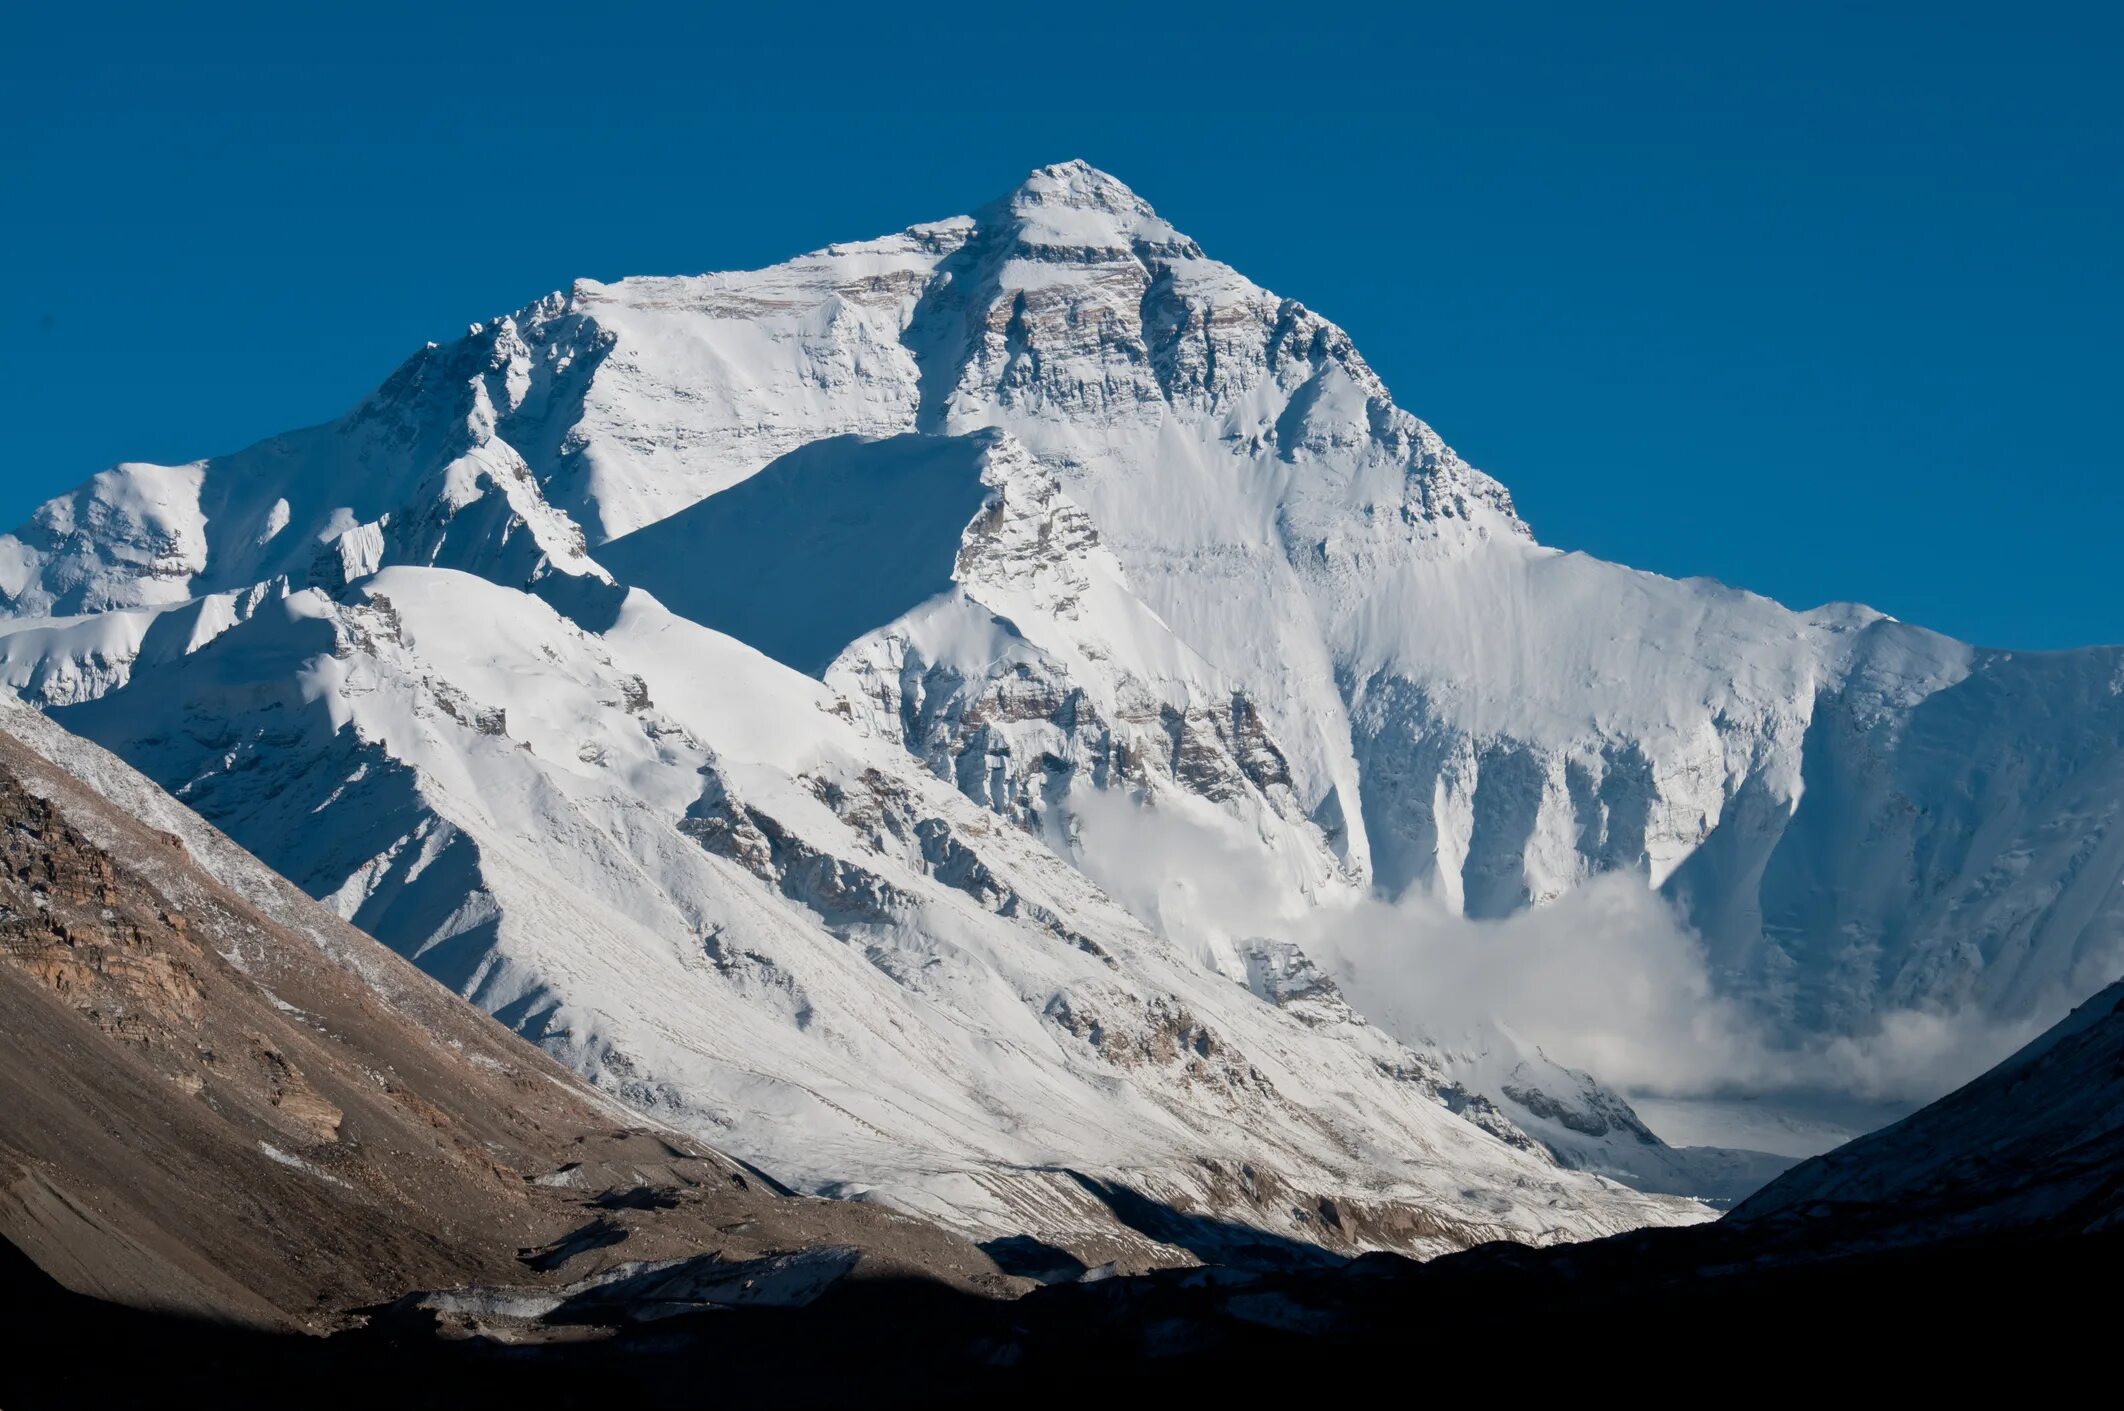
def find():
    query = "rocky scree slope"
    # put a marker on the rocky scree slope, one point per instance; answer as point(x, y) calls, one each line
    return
point(225, 1102)
point(1999, 1186)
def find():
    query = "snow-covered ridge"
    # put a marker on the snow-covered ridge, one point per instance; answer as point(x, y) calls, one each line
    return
point(727, 678)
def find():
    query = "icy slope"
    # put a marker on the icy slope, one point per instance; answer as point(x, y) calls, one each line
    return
point(990, 633)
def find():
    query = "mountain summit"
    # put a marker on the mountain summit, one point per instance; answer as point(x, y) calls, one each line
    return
point(904, 714)
point(1074, 206)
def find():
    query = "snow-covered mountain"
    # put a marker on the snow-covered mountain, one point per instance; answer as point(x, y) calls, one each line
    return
point(792, 697)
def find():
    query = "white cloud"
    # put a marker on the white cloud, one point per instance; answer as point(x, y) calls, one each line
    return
point(1607, 978)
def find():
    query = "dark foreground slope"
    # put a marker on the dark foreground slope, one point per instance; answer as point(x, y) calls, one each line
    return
point(1797, 1294)
point(222, 1102)
point(1660, 1317)
point(2033, 1147)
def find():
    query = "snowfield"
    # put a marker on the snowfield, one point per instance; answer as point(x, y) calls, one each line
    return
point(932, 717)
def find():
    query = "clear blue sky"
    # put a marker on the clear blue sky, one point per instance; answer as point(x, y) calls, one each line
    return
point(1825, 302)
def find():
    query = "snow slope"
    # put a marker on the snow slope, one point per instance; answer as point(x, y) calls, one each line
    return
point(674, 863)
point(1058, 516)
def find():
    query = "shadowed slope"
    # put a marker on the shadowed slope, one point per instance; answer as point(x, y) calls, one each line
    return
point(829, 541)
point(2035, 1146)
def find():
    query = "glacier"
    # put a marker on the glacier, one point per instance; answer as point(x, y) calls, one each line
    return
point(734, 683)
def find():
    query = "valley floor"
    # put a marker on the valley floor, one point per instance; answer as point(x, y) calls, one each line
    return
point(1793, 1125)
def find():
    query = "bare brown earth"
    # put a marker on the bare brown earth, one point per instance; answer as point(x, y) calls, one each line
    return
point(210, 1112)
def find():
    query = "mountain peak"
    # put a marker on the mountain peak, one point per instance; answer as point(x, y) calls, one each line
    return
point(1073, 205)
point(1077, 182)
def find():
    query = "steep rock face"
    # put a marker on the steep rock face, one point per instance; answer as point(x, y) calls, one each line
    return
point(1062, 512)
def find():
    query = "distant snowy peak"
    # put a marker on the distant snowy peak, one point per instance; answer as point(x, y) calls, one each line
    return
point(419, 472)
point(1068, 298)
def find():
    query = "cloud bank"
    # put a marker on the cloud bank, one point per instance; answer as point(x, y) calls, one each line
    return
point(1608, 978)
